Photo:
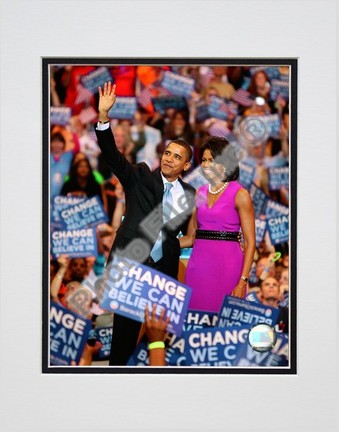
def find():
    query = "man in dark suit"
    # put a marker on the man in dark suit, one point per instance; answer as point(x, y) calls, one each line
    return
point(143, 222)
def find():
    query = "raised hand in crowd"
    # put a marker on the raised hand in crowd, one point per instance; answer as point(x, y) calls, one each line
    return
point(63, 261)
point(156, 330)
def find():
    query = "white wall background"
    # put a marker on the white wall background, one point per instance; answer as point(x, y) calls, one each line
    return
point(33, 29)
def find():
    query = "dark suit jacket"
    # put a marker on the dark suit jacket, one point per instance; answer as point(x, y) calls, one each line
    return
point(144, 191)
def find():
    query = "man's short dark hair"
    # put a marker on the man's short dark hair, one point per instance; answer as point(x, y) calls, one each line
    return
point(185, 145)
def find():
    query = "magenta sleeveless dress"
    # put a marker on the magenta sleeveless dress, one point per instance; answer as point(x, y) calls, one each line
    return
point(214, 267)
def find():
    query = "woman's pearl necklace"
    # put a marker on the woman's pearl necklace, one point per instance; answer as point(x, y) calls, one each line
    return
point(217, 191)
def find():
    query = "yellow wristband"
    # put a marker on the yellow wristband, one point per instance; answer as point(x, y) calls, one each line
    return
point(154, 345)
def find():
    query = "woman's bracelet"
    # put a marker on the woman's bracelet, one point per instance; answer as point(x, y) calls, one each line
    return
point(154, 345)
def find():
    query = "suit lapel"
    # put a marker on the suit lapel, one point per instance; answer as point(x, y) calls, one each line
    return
point(158, 185)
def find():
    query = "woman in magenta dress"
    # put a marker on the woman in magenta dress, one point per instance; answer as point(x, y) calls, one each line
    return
point(218, 265)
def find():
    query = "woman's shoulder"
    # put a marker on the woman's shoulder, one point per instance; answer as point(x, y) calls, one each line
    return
point(235, 186)
point(237, 190)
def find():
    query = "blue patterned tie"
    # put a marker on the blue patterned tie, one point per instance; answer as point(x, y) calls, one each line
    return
point(167, 200)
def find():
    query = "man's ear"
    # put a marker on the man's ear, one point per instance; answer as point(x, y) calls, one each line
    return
point(187, 166)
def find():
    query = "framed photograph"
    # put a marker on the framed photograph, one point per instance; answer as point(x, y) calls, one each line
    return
point(38, 39)
point(247, 106)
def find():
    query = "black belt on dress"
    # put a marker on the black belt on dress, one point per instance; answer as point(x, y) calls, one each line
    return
point(217, 235)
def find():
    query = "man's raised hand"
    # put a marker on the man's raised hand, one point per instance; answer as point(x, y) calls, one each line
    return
point(107, 99)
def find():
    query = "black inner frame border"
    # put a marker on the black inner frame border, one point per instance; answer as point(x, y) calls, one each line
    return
point(188, 370)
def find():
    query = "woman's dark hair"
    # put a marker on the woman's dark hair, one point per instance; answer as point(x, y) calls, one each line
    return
point(252, 88)
point(73, 173)
point(58, 136)
point(170, 133)
point(183, 113)
point(222, 153)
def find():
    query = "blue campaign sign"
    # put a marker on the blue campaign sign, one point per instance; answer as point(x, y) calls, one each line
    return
point(218, 108)
point(195, 320)
point(88, 213)
point(246, 175)
point(202, 111)
point(278, 178)
point(278, 228)
point(237, 311)
point(131, 287)
point(280, 88)
point(278, 356)
point(104, 335)
point(252, 297)
point(139, 356)
point(163, 102)
point(272, 72)
point(273, 124)
point(274, 208)
point(60, 203)
point(173, 356)
point(68, 335)
point(214, 346)
point(259, 199)
point(124, 108)
point(177, 84)
point(60, 115)
point(55, 226)
point(214, 107)
point(74, 243)
point(199, 319)
point(260, 229)
point(253, 274)
point(94, 79)
point(175, 350)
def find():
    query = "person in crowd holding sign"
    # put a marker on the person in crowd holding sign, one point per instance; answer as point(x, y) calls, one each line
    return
point(88, 145)
point(260, 85)
point(60, 162)
point(81, 156)
point(145, 137)
point(83, 183)
point(63, 290)
point(270, 294)
point(218, 266)
point(220, 82)
point(265, 266)
point(144, 192)
point(74, 269)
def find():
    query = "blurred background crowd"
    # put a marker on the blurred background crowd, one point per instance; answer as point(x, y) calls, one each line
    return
point(249, 105)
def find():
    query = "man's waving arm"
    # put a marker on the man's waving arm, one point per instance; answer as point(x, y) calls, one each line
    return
point(116, 160)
